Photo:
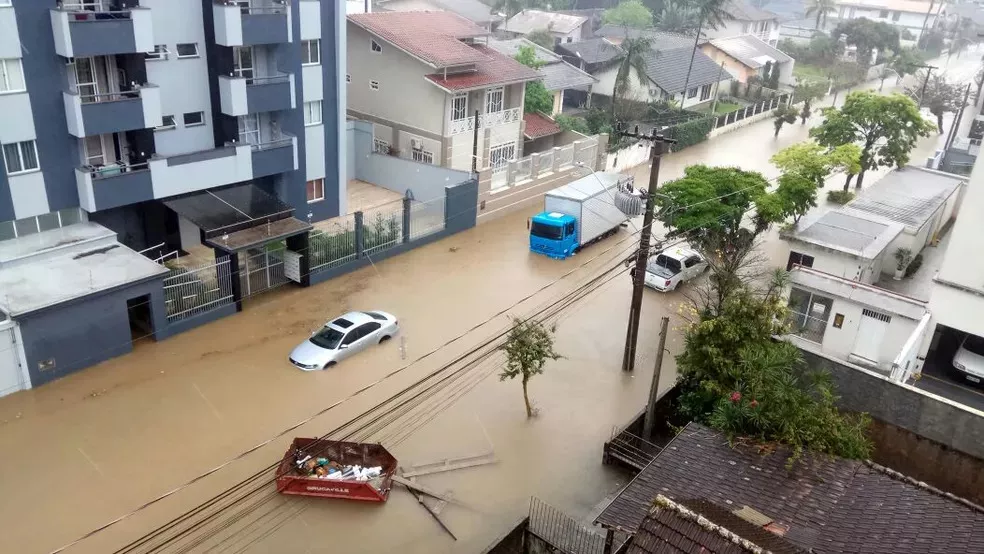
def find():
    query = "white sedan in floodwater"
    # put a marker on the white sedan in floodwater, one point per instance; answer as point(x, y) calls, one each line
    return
point(342, 337)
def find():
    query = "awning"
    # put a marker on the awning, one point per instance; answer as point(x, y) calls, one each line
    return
point(238, 217)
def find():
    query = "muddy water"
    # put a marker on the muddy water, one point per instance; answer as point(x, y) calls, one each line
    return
point(95, 445)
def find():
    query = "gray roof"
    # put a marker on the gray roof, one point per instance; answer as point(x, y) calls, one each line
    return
point(473, 10)
point(742, 10)
point(557, 74)
point(528, 21)
point(750, 50)
point(592, 51)
point(910, 196)
point(668, 69)
point(860, 235)
point(660, 39)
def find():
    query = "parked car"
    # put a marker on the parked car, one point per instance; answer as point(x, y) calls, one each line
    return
point(667, 269)
point(342, 337)
point(969, 359)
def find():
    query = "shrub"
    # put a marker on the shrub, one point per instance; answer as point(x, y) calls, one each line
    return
point(840, 196)
point(914, 265)
point(572, 123)
point(690, 133)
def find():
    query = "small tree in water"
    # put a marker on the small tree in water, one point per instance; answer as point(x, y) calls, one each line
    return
point(528, 347)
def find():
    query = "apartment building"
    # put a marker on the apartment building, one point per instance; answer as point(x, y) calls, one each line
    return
point(419, 77)
point(910, 15)
point(174, 125)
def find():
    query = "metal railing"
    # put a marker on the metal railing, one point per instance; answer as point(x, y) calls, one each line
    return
point(279, 140)
point(561, 531)
point(806, 327)
point(192, 291)
point(262, 268)
point(93, 12)
point(113, 170)
point(508, 115)
point(255, 7)
point(761, 106)
point(332, 246)
point(107, 96)
point(426, 218)
point(631, 449)
point(382, 227)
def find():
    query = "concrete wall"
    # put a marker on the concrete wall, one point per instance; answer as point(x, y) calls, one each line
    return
point(835, 263)
point(920, 434)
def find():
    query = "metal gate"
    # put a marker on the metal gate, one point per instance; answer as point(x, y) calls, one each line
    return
point(262, 269)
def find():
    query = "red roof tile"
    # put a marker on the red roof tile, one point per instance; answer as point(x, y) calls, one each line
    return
point(539, 126)
point(434, 37)
point(494, 68)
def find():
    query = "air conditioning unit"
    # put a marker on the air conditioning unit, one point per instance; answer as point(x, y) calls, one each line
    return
point(416, 144)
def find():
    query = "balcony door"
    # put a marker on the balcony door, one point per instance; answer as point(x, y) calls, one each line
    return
point(242, 63)
point(92, 78)
point(86, 84)
point(249, 129)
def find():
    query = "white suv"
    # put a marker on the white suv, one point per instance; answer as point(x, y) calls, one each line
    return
point(667, 269)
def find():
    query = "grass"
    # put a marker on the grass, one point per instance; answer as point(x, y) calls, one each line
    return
point(807, 72)
point(721, 108)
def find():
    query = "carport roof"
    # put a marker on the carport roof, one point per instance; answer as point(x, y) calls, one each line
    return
point(49, 268)
point(861, 235)
point(909, 196)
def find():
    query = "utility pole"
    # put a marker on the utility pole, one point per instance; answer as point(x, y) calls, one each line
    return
point(659, 147)
point(955, 127)
point(475, 146)
point(929, 69)
point(647, 429)
point(717, 90)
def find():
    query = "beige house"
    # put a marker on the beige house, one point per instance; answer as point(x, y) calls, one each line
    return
point(420, 78)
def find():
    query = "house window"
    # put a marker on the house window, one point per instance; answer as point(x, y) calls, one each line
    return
point(375, 46)
point(808, 314)
point(167, 122)
point(11, 75)
point(494, 100)
point(188, 50)
point(194, 119)
point(883, 14)
point(373, 85)
point(160, 53)
point(315, 190)
point(422, 156)
point(21, 157)
point(348, 78)
point(459, 107)
point(705, 92)
point(311, 52)
point(92, 151)
point(896, 16)
point(500, 156)
point(795, 258)
point(249, 129)
point(692, 92)
point(312, 113)
point(32, 225)
point(380, 146)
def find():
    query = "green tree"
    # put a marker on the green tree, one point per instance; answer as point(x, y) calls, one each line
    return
point(847, 158)
point(710, 14)
point(820, 9)
point(633, 61)
point(541, 37)
point(783, 114)
point(796, 194)
point(629, 13)
point(528, 346)
point(677, 17)
point(940, 96)
point(808, 92)
point(572, 123)
point(537, 98)
point(772, 77)
point(867, 35)
point(886, 127)
point(841, 74)
point(806, 159)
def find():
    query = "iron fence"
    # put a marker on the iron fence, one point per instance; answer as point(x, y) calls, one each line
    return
point(189, 292)
point(631, 449)
point(561, 531)
point(768, 104)
point(261, 269)
point(333, 243)
point(807, 327)
point(382, 227)
point(426, 218)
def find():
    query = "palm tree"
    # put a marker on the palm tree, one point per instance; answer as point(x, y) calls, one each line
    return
point(676, 17)
point(710, 13)
point(634, 51)
point(820, 8)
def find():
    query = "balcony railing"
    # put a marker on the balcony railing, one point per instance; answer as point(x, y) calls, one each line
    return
point(242, 23)
point(510, 115)
point(112, 170)
point(109, 96)
point(112, 112)
point(277, 141)
point(87, 30)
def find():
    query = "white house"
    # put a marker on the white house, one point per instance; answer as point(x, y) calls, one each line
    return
point(563, 27)
point(746, 19)
point(904, 14)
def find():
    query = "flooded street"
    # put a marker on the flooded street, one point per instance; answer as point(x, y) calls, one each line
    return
point(98, 444)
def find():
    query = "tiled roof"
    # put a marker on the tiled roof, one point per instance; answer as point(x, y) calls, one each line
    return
point(492, 68)
point(830, 505)
point(750, 50)
point(557, 74)
point(593, 50)
point(528, 21)
point(668, 69)
point(537, 126)
point(742, 10)
point(434, 37)
point(700, 526)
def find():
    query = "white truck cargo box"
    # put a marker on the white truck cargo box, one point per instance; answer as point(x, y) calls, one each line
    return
point(590, 199)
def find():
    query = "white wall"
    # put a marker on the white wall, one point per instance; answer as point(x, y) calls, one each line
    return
point(184, 83)
point(733, 28)
point(910, 20)
point(838, 264)
point(650, 92)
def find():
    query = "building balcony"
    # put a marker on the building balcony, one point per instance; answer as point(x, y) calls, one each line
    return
point(113, 112)
point(102, 188)
point(82, 33)
point(261, 22)
point(242, 96)
point(504, 117)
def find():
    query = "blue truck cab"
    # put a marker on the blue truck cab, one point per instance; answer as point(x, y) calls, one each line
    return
point(553, 234)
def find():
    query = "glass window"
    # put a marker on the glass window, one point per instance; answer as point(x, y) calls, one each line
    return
point(316, 190)
point(48, 222)
point(311, 52)
point(494, 100)
point(375, 46)
point(11, 75)
point(26, 226)
point(192, 119)
point(692, 92)
point(7, 230)
point(796, 258)
point(327, 338)
point(167, 122)
point(705, 92)
point(974, 344)
point(188, 50)
point(459, 107)
point(160, 53)
point(249, 129)
point(543, 230)
point(808, 314)
point(312, 112)
point(21, 157)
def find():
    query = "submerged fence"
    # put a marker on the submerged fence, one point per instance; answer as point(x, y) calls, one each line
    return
point(562, 532)
point(192, 291)
point(766, 105)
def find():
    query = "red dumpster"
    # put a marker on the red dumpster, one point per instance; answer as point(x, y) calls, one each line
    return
point(294, 477)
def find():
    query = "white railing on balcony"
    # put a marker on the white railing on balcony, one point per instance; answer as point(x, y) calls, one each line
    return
point(108, 96)
point(249, 7)
point(511, 115)
point(111, 170)
point(277, 140)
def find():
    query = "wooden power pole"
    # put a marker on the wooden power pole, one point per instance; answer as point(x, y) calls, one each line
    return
point(647, 426)
point(659, 147)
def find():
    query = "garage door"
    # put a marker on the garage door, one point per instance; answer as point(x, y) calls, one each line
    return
point(871, 334)
point(10, 373)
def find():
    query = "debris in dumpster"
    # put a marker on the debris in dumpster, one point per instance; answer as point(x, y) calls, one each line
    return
point(323, 468)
